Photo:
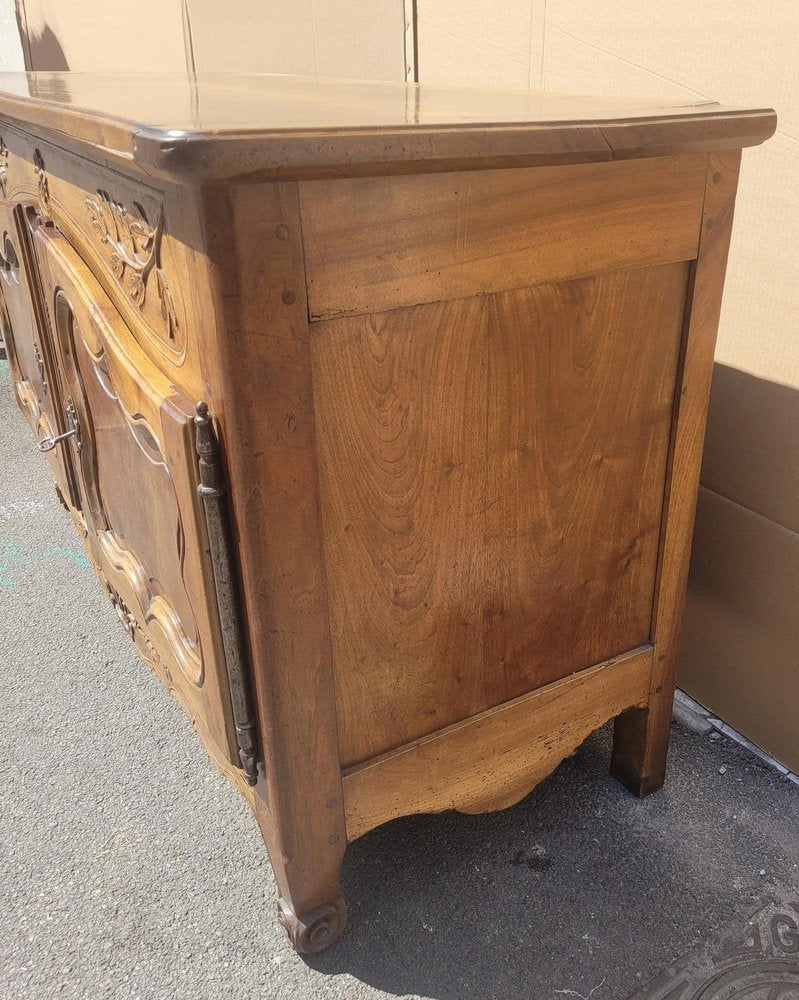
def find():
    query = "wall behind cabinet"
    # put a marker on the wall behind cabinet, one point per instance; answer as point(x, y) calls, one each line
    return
point(10, 43)
point(356, 38)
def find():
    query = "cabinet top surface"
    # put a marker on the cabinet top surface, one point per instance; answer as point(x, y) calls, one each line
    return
point(225, 125)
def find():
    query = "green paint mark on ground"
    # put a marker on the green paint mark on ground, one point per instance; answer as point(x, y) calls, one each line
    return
point(12, 555)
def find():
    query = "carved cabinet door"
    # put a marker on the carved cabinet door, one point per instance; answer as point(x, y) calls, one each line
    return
point(28, 343)
point(134, 452)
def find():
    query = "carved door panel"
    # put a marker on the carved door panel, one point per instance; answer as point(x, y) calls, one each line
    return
point(134, 451)
point(28, 344)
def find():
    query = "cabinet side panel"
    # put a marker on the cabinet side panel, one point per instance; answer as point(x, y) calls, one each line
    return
point(492, 474)
point(374, 244)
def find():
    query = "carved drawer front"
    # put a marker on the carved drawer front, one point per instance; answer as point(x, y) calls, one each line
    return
point(28, 344)
point(134, 451)
point(119, 227)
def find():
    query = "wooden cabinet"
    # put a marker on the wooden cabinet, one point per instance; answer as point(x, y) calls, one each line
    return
point(380, 411)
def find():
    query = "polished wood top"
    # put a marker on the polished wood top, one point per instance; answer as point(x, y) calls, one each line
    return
point(223, 125)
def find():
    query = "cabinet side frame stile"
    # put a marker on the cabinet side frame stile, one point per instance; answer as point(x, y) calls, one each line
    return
point(265, 404)
point(641, 735)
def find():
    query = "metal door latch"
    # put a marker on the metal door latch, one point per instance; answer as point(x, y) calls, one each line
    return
point(40, 364)
point(48, 443)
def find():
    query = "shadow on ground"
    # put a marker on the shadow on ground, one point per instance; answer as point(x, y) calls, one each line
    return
point(579, 885)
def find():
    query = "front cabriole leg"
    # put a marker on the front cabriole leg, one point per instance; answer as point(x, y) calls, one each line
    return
point(265, 409)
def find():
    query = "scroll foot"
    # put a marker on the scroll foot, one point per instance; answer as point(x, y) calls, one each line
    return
point(313, 932)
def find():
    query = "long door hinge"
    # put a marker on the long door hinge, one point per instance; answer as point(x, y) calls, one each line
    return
point(212, 491)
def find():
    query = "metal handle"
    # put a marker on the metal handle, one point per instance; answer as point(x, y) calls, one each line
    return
point(47, 444)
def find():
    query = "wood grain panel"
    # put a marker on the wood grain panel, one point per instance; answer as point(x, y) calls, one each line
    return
point(491, 761)
point(492, 475)
point(374, 244)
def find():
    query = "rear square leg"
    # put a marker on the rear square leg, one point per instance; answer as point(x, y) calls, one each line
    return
point(640, 747)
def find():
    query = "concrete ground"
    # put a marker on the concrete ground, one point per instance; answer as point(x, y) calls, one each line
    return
point(130, 868)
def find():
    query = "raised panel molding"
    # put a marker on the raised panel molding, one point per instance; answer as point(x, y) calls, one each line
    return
point(140, 447)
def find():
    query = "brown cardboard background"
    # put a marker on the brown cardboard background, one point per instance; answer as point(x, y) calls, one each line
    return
point(740, 644)
point(102, 35)
point(752, 445)
point(741, 632)
point(479, 44)
point(358, 38)
point(11, 59)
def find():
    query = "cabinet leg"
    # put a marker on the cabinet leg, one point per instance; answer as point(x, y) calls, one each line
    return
point(314, 931)
point(640, 745)
point(306, 859)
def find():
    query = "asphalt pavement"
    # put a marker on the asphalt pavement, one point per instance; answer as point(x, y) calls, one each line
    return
point(129, 868)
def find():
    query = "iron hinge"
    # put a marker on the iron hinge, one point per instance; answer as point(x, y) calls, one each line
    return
point(213, 493)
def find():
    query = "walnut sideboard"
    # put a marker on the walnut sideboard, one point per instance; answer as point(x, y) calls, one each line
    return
point(379, 409)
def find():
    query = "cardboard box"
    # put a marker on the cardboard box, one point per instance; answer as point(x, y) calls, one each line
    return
point(359, 38)
point(102, 36)
point(741, 632)
point(740, 646)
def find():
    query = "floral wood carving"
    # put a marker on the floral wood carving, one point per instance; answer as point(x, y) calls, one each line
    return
point(139, 637)
point(3, 166)
point(135, 248)
point(44, 189)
